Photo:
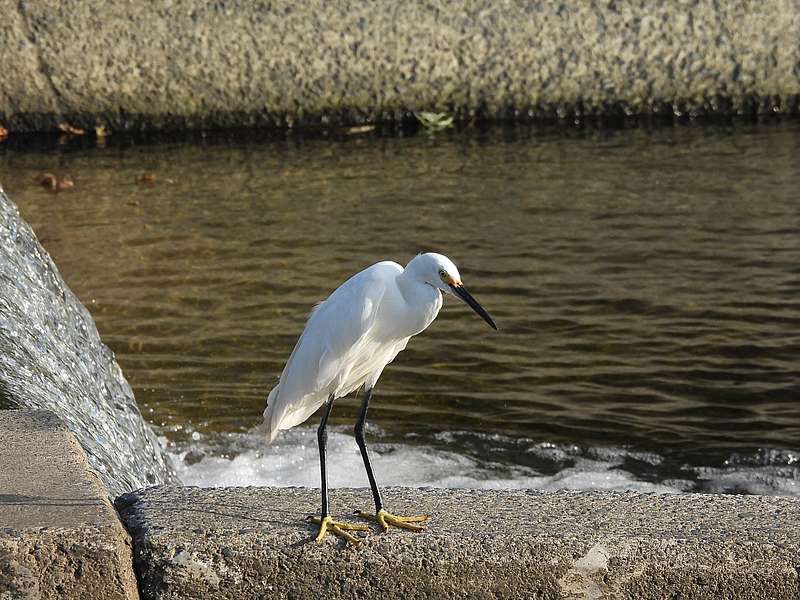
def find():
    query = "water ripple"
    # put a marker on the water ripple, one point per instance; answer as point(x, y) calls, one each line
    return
point(645, 282)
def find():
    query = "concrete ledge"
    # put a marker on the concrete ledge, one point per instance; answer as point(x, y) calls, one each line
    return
point(59, 536)
point(253, 542)
point(192, 64)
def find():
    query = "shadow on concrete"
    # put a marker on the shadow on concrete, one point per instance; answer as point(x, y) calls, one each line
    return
point(22, 500)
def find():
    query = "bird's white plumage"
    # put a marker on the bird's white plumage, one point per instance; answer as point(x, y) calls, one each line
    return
point(351, 336)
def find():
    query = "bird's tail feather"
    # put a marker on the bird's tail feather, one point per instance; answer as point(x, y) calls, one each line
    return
point(272, 432)
point(280, 415)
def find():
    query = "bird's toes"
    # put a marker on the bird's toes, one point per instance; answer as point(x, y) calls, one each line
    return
point(403, 523)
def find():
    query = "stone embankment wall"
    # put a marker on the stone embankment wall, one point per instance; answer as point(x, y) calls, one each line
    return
point(59, 535)
point(193, 64)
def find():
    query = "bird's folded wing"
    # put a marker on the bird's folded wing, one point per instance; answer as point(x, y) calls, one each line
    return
point(332, 345)
point(349, 319)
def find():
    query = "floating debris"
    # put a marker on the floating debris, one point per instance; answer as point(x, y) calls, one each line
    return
point(359, 129)
point(100, 134)
point(434, 121)
point(146, 179)
point(48, 180)
point(66, 183)
point(53, 183)
point(3, 133)
point(70, 129)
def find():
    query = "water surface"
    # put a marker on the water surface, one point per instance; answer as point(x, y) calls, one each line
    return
point(646, 285)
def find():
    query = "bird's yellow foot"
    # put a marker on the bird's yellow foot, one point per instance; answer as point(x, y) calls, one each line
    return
point(385, 519)
point(327, 524)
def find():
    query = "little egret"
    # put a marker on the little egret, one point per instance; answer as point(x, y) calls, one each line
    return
point(348, 340)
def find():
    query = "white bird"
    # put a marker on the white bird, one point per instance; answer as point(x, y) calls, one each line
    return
point(347, 342)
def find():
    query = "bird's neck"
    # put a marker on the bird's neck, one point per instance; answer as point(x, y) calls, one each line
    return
point(412, 285)
point(422, 301)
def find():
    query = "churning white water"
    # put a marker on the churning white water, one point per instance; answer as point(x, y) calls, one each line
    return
point(243, 459)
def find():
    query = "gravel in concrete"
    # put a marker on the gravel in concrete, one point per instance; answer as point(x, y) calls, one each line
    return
point(254, 543)
point(59, 535)
point(190, 63)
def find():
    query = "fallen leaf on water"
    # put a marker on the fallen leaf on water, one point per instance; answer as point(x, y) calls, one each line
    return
point(47, 180)
point(101, 131)
point(53, 183)
point(69, 129)
point(66, 183)
point(146, 178)
point(3, 133)
point(359, 129)
point(433, 121)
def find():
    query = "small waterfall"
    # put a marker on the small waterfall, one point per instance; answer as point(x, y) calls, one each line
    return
point(51, 357)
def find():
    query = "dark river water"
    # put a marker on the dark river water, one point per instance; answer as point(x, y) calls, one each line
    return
point(646, 284)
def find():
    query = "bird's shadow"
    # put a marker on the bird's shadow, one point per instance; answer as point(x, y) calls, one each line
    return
point(290, 519)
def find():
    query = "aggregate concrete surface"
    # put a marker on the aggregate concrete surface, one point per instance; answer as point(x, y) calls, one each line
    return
point(190, 64)
point(254, 543)
point(59, 535)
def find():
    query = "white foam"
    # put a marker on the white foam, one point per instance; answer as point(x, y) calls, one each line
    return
point(768, 480)
point(246, 459)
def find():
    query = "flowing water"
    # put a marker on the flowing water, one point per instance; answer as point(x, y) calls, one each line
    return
point(51, 357)
point(646, 284)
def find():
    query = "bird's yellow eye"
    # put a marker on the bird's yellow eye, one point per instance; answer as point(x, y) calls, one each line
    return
point(443, 274)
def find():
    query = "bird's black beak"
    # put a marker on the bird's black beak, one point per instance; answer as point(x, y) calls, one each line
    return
point(460, 291)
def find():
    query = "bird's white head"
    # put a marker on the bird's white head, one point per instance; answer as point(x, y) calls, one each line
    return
point(440, 272)
point(436, 270)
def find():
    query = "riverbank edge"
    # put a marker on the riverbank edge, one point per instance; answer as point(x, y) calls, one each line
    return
point(59, 537)
point(196, 65)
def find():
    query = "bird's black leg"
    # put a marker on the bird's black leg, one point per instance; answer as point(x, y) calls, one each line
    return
point(322, 441)
point(362, 445)
point(325, 522)
point(384, 519)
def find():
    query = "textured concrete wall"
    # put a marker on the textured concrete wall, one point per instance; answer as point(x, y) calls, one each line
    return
point(59, 535)
point(254, 542)
point(189, 63)
point(59, 538)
